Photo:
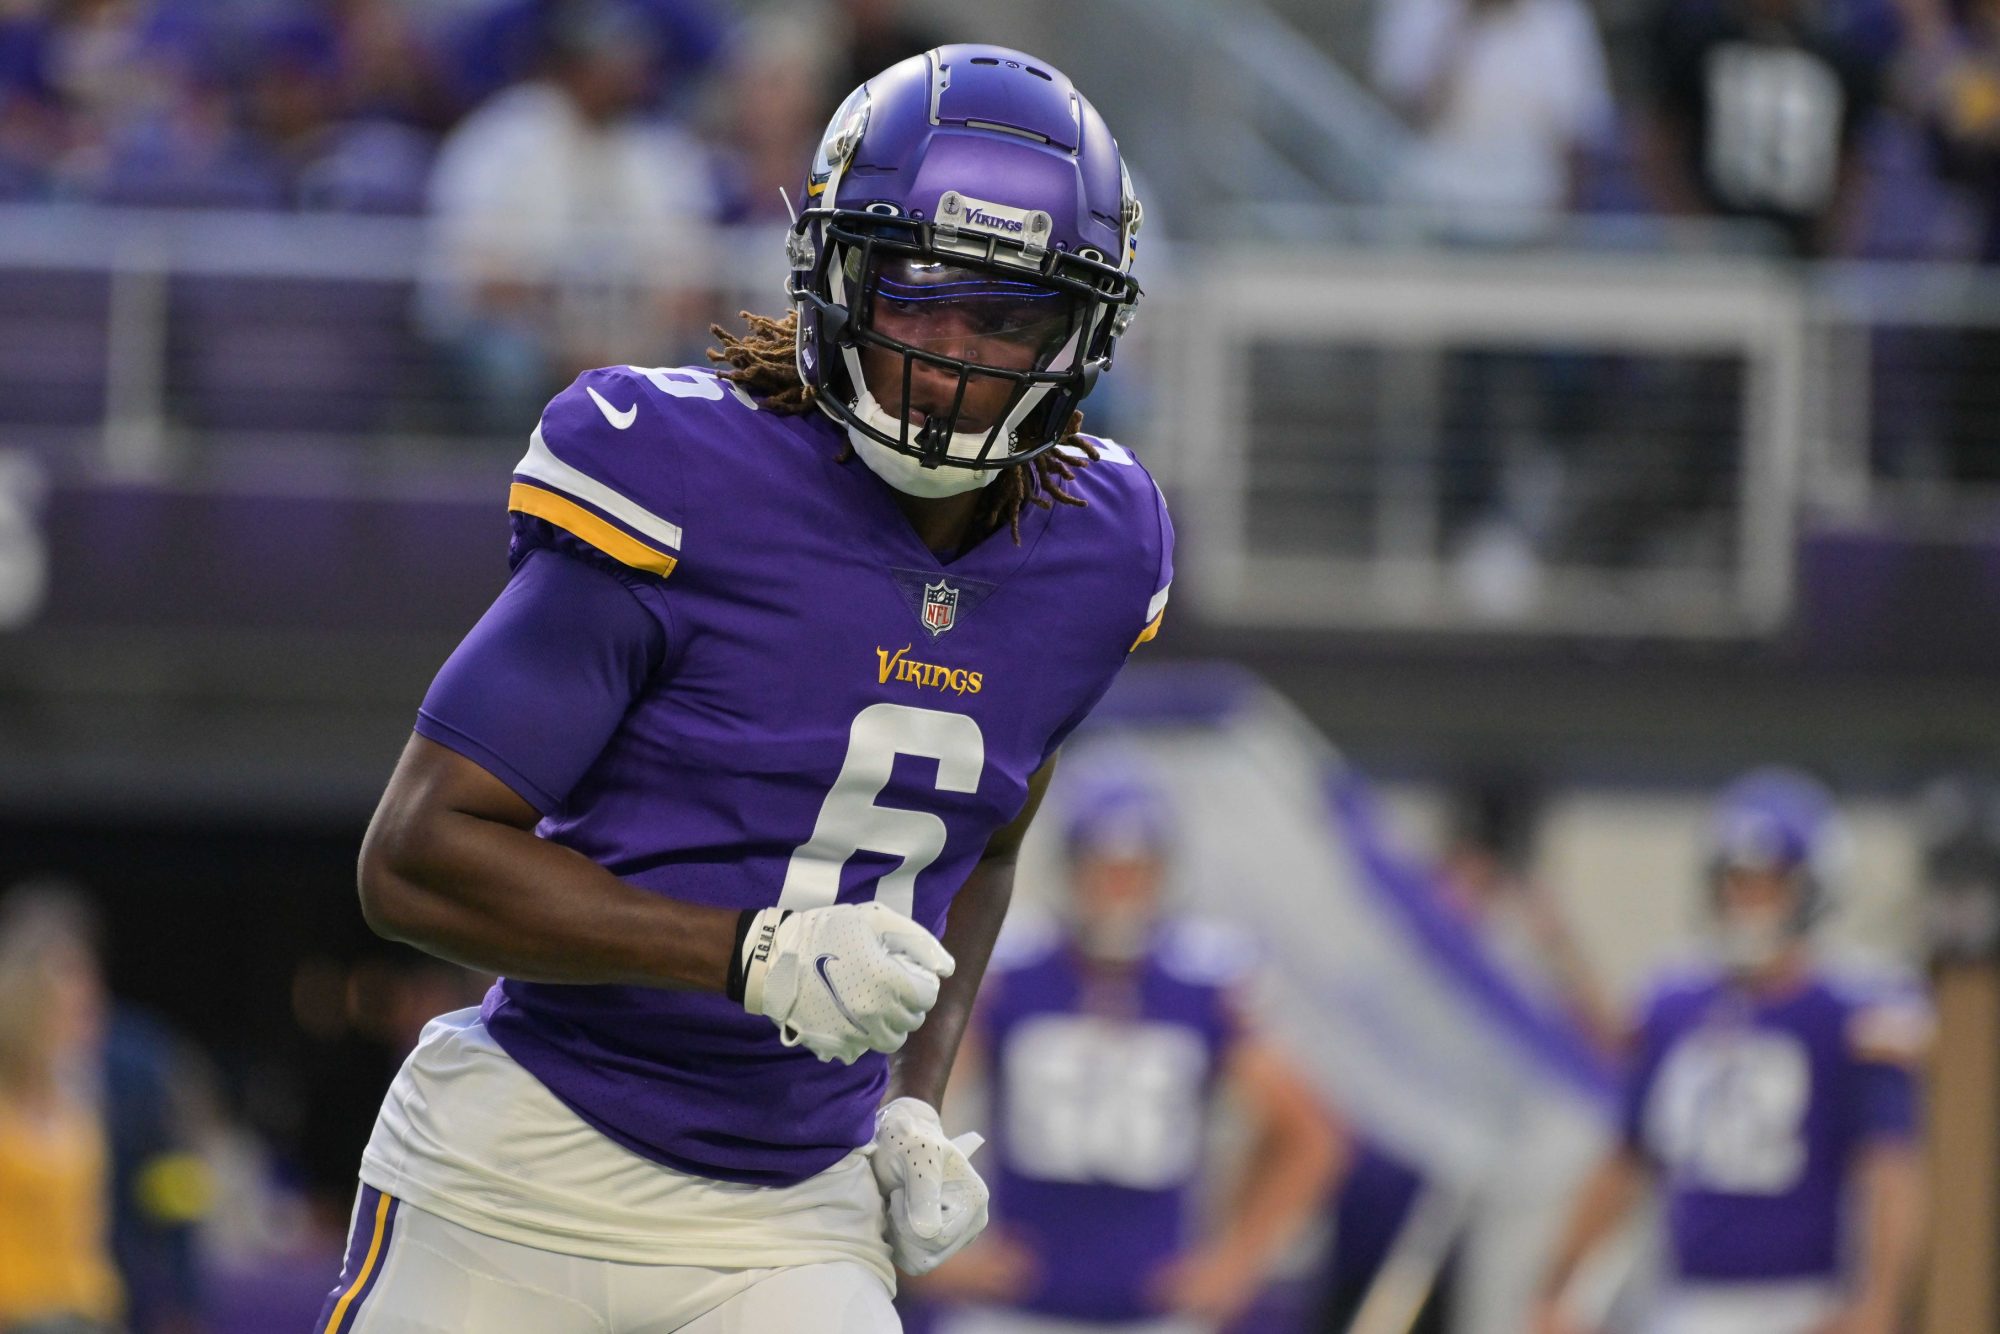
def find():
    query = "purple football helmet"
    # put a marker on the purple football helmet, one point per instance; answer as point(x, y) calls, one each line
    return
point(968, 225)
point(1114, 810)
point(1779, 819)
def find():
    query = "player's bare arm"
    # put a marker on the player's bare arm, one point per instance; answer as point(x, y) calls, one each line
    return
point(1607, 1196)
point(1294, 1155)
point(451, 864)
point(923, 1068)
point(1892, 1184)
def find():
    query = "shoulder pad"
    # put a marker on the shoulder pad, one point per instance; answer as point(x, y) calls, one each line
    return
point(1029, 936)
point(1209, 952)
point(1892, 1032)
point(1889, 1014)
point(1860, 974)
point(604, 465)
point(1676, 983)
point(1120, 485)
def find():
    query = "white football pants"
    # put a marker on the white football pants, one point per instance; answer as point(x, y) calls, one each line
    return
point(430, 1276)
point(1744, 1308)
point(986, 1320)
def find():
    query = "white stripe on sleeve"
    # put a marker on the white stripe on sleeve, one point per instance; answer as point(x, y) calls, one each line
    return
point(543, 466)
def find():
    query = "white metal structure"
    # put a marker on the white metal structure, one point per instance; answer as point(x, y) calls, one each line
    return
point(1424, 305)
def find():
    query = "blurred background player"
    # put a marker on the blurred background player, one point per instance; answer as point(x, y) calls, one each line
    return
point(1773, 1098)
point(1108, 1043)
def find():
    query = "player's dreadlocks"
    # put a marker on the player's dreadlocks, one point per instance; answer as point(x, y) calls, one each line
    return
point(762, 360)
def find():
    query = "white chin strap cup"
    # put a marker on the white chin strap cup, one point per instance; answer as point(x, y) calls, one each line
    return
point(907, 474)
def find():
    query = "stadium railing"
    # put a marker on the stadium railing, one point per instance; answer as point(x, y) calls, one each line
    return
point(1356, 437)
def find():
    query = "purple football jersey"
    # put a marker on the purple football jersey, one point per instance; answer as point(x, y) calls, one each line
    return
point(797, 703)
point(1752, 1109)
point(1101, 1098)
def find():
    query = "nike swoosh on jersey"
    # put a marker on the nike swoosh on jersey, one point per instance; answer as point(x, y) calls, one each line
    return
point(622, 420)
point(819, 966)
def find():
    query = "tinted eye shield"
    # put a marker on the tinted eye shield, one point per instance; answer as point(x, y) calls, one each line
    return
point(940, 305)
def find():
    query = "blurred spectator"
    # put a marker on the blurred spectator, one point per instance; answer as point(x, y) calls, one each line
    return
point(151, 115)
point(31, 124)
point(1960, 820)
point(1954, 71)
point(388, 68)
point(498, 45)
point(323, 109)
point(56, 1271)
point(251, 104)
point(1484, 872)
point(876, 34)
point(161, 1187)
point(1506, 97)
point(143, 1084)
point(775, 90)
point(1758, 108)
point(1106, 1045)
point(115, 62)
point(561, 217)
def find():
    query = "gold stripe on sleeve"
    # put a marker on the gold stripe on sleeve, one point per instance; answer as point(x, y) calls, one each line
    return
point(573, 518)
point(1151, 629)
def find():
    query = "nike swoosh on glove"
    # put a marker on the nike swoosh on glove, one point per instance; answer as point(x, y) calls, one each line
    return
point(840, 980)
point(936, 1201)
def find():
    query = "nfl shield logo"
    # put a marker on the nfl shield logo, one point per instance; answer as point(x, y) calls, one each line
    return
point(940, 607)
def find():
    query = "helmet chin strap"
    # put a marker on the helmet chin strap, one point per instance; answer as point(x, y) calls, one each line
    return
point(1751, 948)
point(912, 476)
point(1748, 948)
point(1115, 938)
point(933, 440)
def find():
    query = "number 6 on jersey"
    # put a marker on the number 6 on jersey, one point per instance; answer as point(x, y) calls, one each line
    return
point(850, 821)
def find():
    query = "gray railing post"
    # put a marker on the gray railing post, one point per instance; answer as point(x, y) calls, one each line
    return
point(135, 349)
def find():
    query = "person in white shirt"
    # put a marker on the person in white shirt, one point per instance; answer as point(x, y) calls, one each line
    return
point(1505, 95)
point(563, 224)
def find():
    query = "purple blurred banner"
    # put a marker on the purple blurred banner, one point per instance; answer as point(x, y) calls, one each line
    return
point(1875, 598)
point(157, 559)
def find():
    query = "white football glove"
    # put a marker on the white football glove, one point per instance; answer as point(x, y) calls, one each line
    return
point(841, 980)
point(937, 1203)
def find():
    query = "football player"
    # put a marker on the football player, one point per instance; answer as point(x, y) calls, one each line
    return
point(770, 698)
point(1771, 1097)
point(1106, 1047)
